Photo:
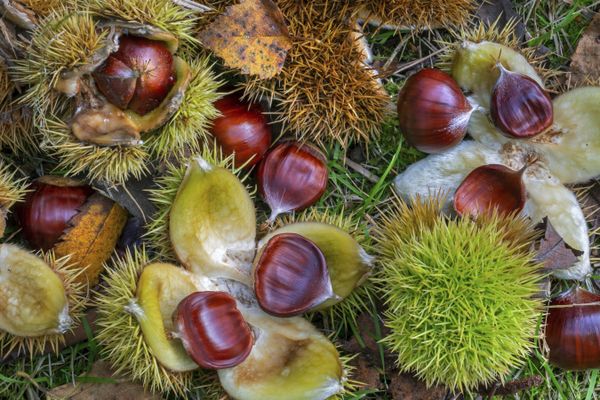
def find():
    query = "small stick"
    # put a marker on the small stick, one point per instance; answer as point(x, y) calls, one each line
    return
point(362, 170)
point(192, 5)
point(419, 61)
point(512, 387)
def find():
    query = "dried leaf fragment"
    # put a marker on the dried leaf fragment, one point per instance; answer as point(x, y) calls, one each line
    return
point(106, 386)
point(251, 36)
point(585, 61)
point(553, 252)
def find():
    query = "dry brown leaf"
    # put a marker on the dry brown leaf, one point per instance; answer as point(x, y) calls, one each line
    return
point(553, 252)
point(407, 387)
point(92, 236)
point(251, 36)
point(114, 388)
point(585, 62)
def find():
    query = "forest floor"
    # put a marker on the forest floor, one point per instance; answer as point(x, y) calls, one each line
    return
point(360, 181)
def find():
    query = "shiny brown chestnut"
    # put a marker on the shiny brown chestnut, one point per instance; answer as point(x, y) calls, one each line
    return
point(291, 276)
point(138, 76)
point(488, 188)
point(432, 111)
point(573, 330)
point(292, 176)
point(47, 209)
point(242, 129)
point(213, 330)
point(520, 107)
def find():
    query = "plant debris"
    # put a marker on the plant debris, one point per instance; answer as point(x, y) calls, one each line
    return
point(553, 252)
point(585, 62)
point(251, 36)
point(101, 384)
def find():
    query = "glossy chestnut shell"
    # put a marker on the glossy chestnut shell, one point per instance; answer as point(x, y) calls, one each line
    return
point(573, 330)
point(292, 176)
point(291, 276)
point(138, 76)
point(432, 111)
point(242, 129)
point(520, 107)
point(47, 209)
point(488, 188)
point(213, 330)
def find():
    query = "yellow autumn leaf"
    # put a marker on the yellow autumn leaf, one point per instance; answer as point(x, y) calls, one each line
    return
point(251, 36)
point(92, 236)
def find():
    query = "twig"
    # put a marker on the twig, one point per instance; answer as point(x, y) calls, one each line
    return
point(512, 387)
point(361, 170)
point(411, 64)
point(394, 54)
point(192, 5)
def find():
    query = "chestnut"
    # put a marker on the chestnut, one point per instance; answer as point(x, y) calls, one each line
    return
point(48, 208)
point(138, 76)
point(291, 276)
point(488, 188)
point(520, 107)
point(213, 330)
point(242, 130)
point(573, 330)
point(432, 111)
point(292, 177)
point(70, 218)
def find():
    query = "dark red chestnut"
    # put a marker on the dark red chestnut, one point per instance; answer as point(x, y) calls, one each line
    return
point(520, 108)
point(291, 276)
point(138, 76)
point(432, 111)
point(241, 129)
point(291, 177)
point(573, 330)
point(47, 209)
point(491, 187)
point(213, 330)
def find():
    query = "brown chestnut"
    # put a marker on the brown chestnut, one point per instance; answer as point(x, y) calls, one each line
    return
point(138, 76)
point(213, 330)
point(291, 276)
point(242, 129)
point(47, 209)
point(573, 330)
point(488, 188)
point(432, 111)
point(72, 219)
point(292, 176)
point(520, 107)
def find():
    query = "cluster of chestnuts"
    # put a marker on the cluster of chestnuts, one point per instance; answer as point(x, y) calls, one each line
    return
point(290, 177)
point(290, 274)
point(434, 115)
point(526, 147)
point(236, 305)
